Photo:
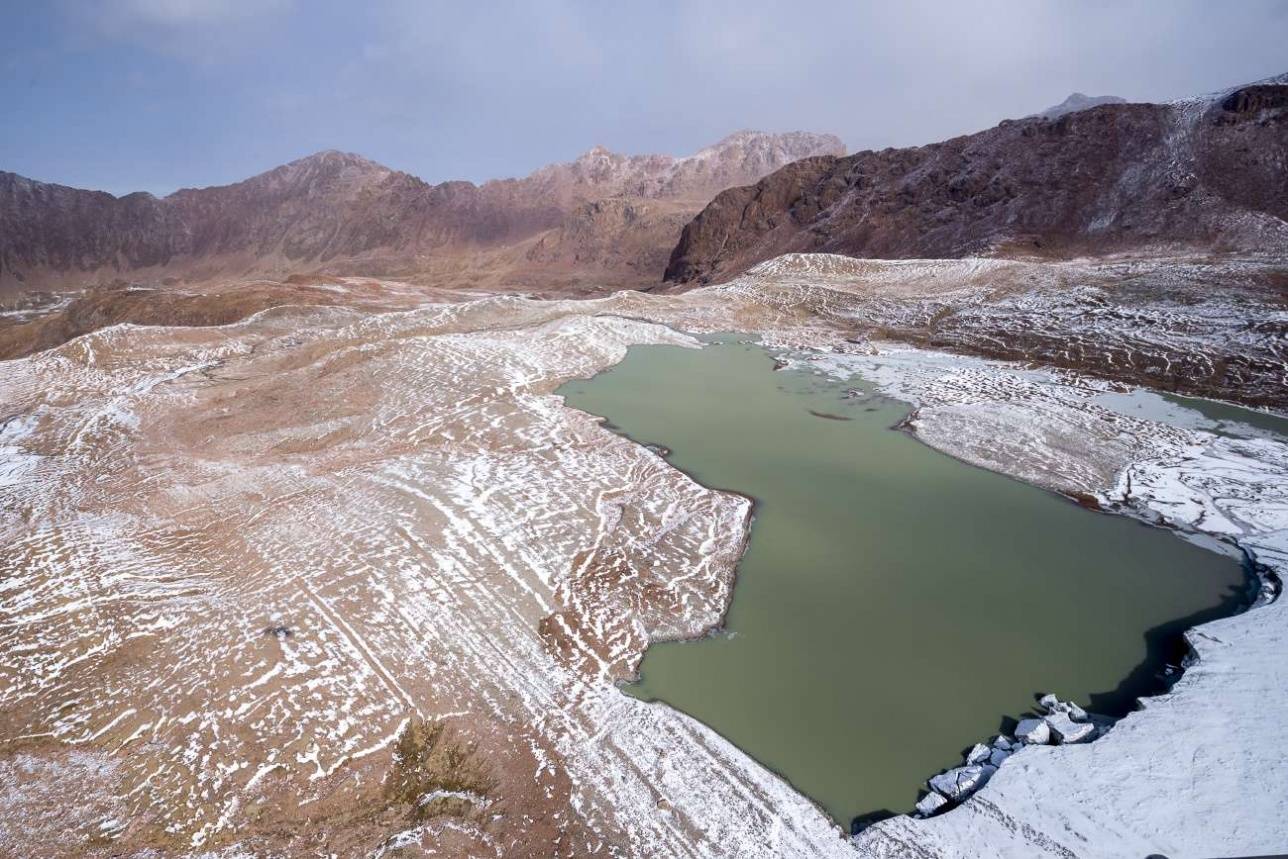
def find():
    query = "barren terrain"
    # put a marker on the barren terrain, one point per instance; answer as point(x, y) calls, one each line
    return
point(346, 578)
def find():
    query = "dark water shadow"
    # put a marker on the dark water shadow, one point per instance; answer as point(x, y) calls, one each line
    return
point(861, 822)
point(1167, 652)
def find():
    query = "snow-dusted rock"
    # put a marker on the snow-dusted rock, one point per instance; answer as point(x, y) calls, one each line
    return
point(1033, 732)
point(960, 782)
point(1049, 703)
point(1065, 731)
point(930, 803)
point(978, 754)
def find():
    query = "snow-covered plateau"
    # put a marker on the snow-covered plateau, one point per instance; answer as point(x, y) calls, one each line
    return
point(240, 561)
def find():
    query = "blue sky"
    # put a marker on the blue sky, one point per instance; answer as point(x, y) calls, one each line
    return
point(155, 95)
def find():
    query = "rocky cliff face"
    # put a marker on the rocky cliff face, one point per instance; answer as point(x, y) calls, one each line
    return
point(339, 212)
point(1207, 174)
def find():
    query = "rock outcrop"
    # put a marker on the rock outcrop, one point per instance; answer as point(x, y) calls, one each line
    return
point(339, 213)
point(1207, 174)
point(1033, 732)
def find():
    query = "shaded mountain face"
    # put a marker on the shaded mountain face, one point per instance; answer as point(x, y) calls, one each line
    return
point(1207, 174)
point(336, 212)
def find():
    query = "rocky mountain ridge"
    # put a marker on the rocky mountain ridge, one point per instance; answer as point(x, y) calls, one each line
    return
point(1205, 174)
point(338, 212)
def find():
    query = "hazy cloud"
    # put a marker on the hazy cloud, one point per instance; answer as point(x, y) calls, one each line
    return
point(202, 32)
point(173, 13)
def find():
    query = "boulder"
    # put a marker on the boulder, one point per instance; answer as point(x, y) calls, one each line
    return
point(1033, 732)
point(978, 754)
point(1066, 731)
point(929, 804)
point(960, 782)
point(1049, 703)
point(1004, 743)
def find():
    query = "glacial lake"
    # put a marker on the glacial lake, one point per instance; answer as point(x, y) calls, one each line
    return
point(894, 605)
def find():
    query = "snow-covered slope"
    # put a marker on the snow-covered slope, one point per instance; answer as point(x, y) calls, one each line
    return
point(241, 560)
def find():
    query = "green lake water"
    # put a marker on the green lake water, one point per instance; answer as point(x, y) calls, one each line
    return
point(1225, 419)
point(894, 604)
point(1233, 420)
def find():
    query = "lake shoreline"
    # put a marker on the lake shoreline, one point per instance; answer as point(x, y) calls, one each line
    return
point(906, 425)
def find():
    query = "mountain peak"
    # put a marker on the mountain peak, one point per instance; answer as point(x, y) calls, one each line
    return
point(336, 159)
point(343, 211)
point(1075, 102)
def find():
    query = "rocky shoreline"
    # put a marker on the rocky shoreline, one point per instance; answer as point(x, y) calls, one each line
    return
point(1058, 723)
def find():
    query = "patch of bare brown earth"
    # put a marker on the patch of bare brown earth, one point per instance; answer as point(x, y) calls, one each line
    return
point(215, 304)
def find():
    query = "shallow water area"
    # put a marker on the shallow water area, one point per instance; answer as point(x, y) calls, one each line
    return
point(893, 604)
point(1214, 416)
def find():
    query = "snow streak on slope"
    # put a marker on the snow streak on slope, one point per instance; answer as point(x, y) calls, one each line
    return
point(238, 568)
point(239, 561)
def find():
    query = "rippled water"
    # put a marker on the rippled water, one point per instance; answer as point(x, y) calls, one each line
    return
point(894, 604)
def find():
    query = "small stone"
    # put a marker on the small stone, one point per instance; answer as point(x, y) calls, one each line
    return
point(929, 804)
point(997, 756)
point(977, 754)
point(960, 782)
point(1004, 743)
point(1067, 731)
point(1033, 732)
point(1048, 702)
point(1076, 713)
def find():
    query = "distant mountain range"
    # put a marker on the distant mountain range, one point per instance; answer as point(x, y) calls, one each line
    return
point(1090, 176)
point(1075, 102)
point(604, 218)
point(1200, 175)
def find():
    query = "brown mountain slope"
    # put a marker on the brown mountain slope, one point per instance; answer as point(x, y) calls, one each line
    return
point(1209, 173)
point(339, 213)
